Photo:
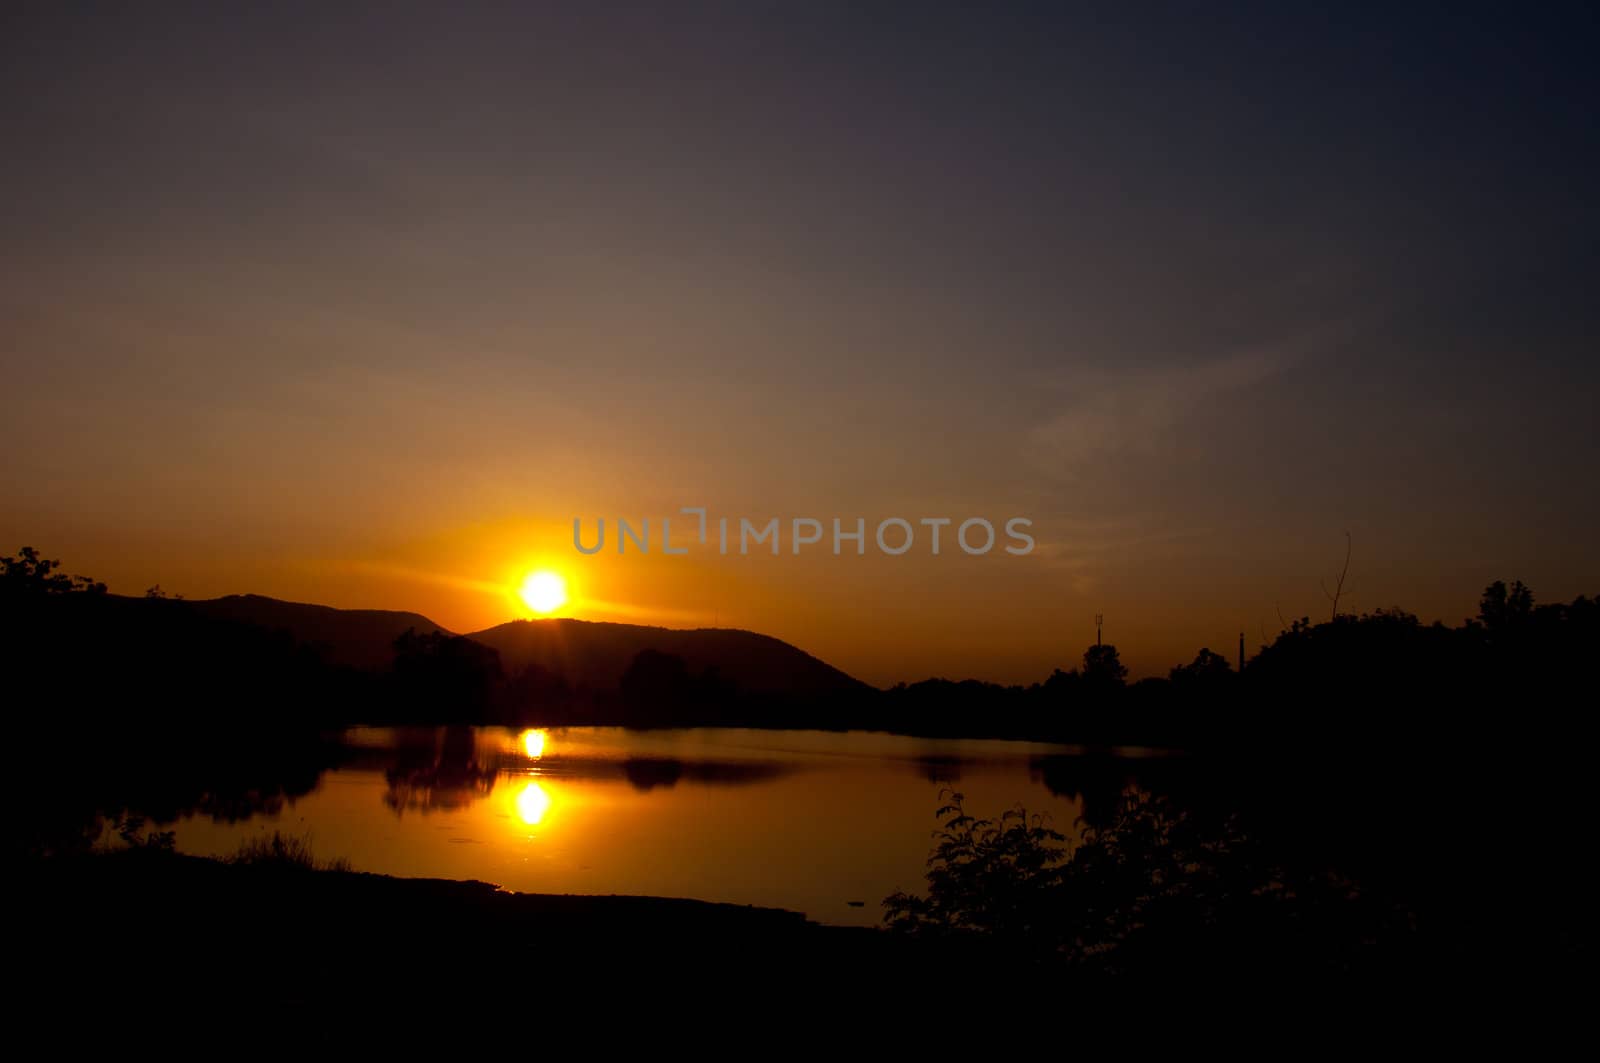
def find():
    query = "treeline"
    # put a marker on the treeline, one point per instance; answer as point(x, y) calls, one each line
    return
point(1373, 678)
point(117, 708)
point(72, 651)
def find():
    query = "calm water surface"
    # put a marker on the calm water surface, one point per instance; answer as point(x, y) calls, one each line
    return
point(804, 820)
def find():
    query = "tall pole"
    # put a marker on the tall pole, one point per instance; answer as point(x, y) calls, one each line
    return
point(1241, 651)
point(1099, 619)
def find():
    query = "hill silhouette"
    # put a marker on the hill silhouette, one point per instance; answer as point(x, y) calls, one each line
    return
point(357, 638)
point(587, 658)
point(593, 657)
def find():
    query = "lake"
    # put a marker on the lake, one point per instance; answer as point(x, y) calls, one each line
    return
point(805, 820)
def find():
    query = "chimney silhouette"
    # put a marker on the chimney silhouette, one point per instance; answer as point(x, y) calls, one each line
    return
point(1241, 652)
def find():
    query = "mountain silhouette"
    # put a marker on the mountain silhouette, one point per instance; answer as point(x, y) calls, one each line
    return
point(593, 656)
point(589, 656)
point(359, 638)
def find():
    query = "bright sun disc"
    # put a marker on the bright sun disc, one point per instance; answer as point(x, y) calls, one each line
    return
point(544, 592)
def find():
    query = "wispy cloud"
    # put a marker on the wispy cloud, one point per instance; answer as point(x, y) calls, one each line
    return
point(1081, 550)
point(1109, 414)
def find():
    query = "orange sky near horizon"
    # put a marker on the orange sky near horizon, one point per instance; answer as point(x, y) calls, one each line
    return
point(365, 307)
point(883, 619)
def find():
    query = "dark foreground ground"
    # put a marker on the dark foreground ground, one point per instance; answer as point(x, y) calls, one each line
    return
point(165, 929)
point(144, 930)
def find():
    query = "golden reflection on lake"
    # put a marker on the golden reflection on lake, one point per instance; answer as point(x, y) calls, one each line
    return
point(533, 803)
point(809, 821)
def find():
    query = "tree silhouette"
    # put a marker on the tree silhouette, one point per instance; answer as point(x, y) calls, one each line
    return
point(1503, 610)
point(659, 687)
point(445, 676)
point(28, 574)
point(1103, 667)
point(1205, 671)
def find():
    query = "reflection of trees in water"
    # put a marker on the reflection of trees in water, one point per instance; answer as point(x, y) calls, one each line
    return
point(443, 768)
point(437, 769)
point(939, 768)
point(648, 773)
point(161, 775)
point(1096, 783)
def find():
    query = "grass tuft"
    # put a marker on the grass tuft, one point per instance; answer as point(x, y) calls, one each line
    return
point(284, 851)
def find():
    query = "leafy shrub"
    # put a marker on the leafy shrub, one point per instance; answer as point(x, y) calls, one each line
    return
point(993, 876)
point(1152, 890)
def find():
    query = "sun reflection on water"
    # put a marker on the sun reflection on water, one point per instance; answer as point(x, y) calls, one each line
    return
point(532, 803)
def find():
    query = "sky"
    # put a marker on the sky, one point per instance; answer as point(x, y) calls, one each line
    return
point(364, 305)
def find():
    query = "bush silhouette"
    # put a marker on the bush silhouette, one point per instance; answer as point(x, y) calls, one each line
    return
point(1152, 890)
point(992, 876)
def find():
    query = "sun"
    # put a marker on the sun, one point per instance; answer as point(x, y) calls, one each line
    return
point(544, 592)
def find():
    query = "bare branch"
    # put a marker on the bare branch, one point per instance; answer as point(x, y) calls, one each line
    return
point(1338, 587)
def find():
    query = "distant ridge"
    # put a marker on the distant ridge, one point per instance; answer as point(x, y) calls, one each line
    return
point(592, 656)
point(360, 638)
